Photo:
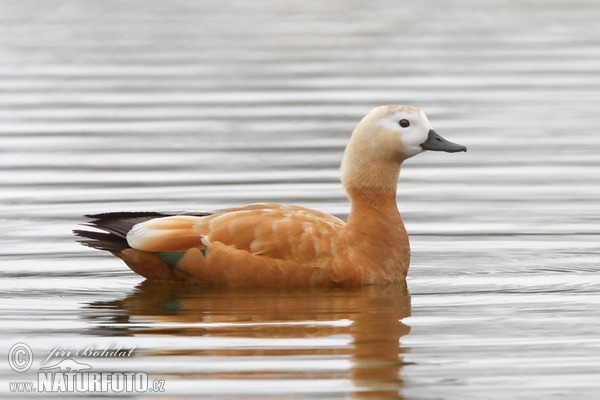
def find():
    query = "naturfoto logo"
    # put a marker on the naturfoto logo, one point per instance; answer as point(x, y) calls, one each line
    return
point(64, 374)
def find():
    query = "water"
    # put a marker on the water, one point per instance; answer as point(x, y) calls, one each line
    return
point(182, 105)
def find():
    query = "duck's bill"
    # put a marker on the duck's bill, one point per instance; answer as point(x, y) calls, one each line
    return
point(437, 143)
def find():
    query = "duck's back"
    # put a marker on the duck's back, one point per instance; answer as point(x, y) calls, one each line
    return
point(269, 230)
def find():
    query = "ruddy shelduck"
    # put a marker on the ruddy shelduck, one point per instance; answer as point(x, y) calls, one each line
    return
point(271, 244)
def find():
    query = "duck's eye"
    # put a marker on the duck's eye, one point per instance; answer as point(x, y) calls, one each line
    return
point(404, 123)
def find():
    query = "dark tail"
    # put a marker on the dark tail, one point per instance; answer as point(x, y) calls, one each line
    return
point(115, 227)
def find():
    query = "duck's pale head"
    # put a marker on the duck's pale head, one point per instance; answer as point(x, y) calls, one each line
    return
point(404, 131)
point(386, 137)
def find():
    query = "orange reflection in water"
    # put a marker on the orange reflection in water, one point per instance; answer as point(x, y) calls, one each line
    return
point(370, 317)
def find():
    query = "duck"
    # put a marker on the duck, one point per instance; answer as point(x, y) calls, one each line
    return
point(279, 245)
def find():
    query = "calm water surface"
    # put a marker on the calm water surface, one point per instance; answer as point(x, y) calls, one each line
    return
point(183, 105)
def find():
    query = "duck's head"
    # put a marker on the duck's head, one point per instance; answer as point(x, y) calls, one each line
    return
point(386, 137)
point(401, 131)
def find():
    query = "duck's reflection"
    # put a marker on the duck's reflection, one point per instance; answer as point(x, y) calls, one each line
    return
point(369, 316)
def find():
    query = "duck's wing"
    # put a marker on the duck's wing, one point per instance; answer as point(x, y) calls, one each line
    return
point(272, 230)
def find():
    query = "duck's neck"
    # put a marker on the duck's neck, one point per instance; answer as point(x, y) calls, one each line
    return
point(374, 237)
point(372, 208)
point(372, 188)
point(371, 199)
point(375, 240)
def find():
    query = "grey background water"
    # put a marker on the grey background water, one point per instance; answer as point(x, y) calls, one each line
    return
point(184, 105)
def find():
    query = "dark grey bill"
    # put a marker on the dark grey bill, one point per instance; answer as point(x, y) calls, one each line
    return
point(437, 143)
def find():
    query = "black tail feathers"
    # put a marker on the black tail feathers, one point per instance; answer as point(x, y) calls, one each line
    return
point(115, 227)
